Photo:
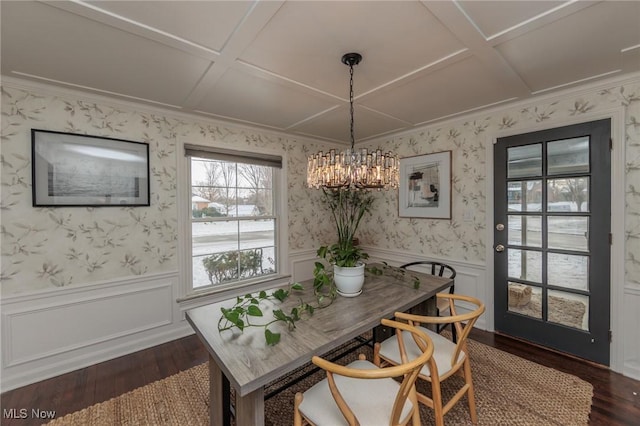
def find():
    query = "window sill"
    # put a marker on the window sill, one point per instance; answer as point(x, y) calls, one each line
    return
point(213, 295)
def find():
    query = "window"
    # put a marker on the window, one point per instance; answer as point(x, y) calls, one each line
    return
point(234, 217)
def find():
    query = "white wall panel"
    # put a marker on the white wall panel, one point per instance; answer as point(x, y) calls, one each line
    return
point(302, 264)
point(36, 333)
point(631, 335)
point(47, 334)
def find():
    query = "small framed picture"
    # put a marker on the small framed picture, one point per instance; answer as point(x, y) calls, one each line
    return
point(425, 186)
point(79, 170)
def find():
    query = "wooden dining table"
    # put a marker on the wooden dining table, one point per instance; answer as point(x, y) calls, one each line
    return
point(246, 362)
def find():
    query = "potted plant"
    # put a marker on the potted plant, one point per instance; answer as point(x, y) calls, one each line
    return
point(347, 206)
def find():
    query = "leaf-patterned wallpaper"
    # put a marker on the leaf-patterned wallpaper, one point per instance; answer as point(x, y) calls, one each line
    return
point(45, 248)
point(464, 240)
point(54, 247)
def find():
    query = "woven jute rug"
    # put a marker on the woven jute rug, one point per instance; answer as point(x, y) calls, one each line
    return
point(509, 391)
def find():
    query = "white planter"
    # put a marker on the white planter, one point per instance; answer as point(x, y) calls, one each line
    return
point(349, 279)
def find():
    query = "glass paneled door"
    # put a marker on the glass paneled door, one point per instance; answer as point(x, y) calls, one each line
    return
point(552, 238)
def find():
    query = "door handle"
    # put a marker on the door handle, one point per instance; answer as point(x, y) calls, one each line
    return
point(499, 248)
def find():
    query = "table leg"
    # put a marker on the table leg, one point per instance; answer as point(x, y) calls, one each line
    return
point(381, 333)
point(432, 309)
point(250, 409)
point(216, 395)
point(427, 308)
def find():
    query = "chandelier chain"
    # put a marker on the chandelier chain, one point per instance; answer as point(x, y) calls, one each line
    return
point(353, 140)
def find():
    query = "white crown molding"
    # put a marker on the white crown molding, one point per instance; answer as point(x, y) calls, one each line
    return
point(141, 107)
point(575, 91)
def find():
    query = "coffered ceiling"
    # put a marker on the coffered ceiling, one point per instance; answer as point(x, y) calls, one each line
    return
point(276, 64)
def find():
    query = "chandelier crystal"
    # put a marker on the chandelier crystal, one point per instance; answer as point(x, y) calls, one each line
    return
point(351, 168)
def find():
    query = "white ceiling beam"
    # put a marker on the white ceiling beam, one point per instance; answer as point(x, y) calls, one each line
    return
point(248, 29)
point(459, 24)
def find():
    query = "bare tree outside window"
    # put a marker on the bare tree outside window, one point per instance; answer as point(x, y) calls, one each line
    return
point(259, 179)
point(577, 191)
point(208, 187)
point(227, 182)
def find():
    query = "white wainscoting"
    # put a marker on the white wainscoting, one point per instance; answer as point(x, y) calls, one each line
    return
point(630, 334)
point(302, 263)
point(53, 332)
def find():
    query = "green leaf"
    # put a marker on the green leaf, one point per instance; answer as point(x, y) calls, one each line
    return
point(270, 337)
point(234, 319)
point(262, 295)
point(281, 294)
point(416, 283)
point(278, 314)
point(322, 252)
point(231, 315)
point(240, 324)
point(254, 311)
point(374, 270)
point(294, 314)
point(297, 286)
point(254, 301)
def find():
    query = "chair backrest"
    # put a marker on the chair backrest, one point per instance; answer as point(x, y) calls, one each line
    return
point(463, 323)
point(408, 371)
point(436, 268)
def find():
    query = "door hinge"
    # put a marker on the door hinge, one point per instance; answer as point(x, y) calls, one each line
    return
point(610, 144)
point(610, 239)
point(610, 336)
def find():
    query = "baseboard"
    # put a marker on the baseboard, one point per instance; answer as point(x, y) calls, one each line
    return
point(632, 369)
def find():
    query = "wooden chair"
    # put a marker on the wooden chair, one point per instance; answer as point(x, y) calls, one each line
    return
point(449, 357)
point(441, 270)
point(348, 396)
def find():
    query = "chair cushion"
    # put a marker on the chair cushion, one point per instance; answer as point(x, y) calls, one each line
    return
point(443, 350)
point(371, 400)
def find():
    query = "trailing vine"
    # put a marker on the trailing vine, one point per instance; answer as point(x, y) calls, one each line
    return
point(398, 273)
point(246, 312)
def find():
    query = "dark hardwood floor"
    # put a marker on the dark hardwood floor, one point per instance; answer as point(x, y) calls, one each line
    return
point(616, 398)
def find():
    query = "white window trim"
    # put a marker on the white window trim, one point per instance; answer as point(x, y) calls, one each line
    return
point(183, 200)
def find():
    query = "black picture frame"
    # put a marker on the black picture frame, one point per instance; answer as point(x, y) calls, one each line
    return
point(74, 170)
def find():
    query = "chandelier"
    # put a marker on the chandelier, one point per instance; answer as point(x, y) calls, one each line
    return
point(351, 168)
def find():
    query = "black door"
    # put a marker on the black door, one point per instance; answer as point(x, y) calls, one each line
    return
point(552, 238)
